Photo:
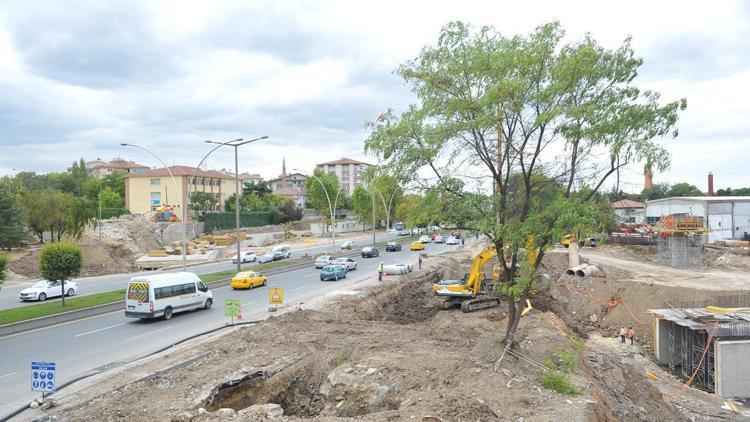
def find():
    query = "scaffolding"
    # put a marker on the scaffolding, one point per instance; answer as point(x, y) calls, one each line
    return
point(680, 242)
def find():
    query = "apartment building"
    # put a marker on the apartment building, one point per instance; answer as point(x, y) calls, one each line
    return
point(349, 172)
point(99, 168)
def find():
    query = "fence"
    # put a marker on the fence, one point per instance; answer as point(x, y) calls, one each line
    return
point(226, 220)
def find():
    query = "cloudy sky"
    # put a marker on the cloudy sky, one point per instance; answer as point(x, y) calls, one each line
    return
point(78, 78)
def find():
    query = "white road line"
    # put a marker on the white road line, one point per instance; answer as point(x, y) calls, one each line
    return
point(300, 288)
point(310, 275)
point(101, 329)
point(150, 332)
point(7, 375)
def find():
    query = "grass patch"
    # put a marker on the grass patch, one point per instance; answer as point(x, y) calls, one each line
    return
point(557, 381)
point(23, 313)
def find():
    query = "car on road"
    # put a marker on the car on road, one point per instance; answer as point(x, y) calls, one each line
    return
point(392, 247)
point(248, 280)
point(370, 252)
point(267, 257)
point(452, 241)
point(416, 246)
point(161, 295)
point(282, 251)
point(439, 239)
point(332, 272)
point(404, 232)
point(425, 239)
point(45, 289)
point(349, 244)
point(324, 260)
point(246, 257)
point(347, 263)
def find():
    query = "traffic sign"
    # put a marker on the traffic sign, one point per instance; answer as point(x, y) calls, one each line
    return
point(43, 376)
point(276, 296)
point(232, 307)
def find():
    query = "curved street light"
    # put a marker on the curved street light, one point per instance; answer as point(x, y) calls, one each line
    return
point(331, 207)
point(183, 234)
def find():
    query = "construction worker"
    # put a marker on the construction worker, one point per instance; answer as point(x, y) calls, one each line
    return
point(420, 261)
point(623, 333)
point(380, 271)
point(631, 335)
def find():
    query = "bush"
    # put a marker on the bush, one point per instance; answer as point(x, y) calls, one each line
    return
point(3, 265)
point(557, 381)
point(60, 261)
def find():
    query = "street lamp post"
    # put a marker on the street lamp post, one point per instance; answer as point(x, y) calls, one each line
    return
point(183, 234)
point(236, 144)
point(331, 207)
point(386, 208)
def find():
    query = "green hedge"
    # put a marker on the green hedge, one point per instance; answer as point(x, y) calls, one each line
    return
point(226, 220)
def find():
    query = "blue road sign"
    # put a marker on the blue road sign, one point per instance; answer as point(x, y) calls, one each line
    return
point(43, 376)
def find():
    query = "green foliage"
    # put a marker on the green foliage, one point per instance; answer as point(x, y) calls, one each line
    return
point(12, 228)
point(362, 205)
point(734, 192)
point(226, 220)
point(684, 189)
point(260, 188)
point(388, 194)
point(3, 267)
point(570, 116)
point(557, 381)
point(202, 201)
point(322, 188)
point(60, 261)
point(116, 181)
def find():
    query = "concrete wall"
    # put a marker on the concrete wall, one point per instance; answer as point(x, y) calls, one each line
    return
point(341, 227)
point(732, 365)
point(661, 342)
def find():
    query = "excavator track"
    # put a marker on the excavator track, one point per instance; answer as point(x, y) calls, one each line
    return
point(472, 305)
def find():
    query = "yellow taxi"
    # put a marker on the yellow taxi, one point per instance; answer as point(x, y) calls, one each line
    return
point(416, 246)
point(248, 280)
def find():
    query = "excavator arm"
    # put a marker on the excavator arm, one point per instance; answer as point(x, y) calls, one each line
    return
point(474, 279)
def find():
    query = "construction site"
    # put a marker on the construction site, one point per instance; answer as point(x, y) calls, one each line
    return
point(390, 351)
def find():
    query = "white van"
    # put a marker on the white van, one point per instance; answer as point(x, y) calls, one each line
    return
point(151, 296)
point(282, 251)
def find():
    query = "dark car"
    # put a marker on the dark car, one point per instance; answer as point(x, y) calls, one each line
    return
point(369, 252)
point(392, 247)
point(332, 272)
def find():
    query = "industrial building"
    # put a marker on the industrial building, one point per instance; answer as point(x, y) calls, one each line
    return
point(708, 345)
point(725, 217)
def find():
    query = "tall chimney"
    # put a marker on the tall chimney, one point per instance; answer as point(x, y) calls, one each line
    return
point(648, 181)
point(710, 184)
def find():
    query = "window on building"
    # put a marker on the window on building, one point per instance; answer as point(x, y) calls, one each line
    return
point(156, 181)
point(156, 196)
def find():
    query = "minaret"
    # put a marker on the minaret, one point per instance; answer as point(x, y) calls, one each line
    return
point(648, 174)
point(284, 183)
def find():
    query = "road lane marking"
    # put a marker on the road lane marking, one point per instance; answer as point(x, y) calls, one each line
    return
point(101, 329)
point(150, 332)
point(310, 275)
point(300, 288)
point(7, 375)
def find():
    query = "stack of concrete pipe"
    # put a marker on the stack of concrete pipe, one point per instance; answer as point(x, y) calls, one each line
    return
point(397, 269)
point(584, 270)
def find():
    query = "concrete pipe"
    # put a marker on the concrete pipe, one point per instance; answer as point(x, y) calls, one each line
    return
point(587, 270)
point(395, 269)
point(572, 270)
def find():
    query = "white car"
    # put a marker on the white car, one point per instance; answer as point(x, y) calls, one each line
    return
point(349, 244)
point(439, 239)
point(266, 257)
point(347, 263)
point(43, 290)
point(246, 257)
point(324, 260)
point(452, 241)
point(425, 239)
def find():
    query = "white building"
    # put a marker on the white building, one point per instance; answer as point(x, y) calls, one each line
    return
point(726, 217)
point(629, 212)
point(350, 172)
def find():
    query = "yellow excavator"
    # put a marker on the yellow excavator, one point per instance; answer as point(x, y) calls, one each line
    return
point(471, 292)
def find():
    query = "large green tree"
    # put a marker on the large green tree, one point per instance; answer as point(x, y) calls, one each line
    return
point(684, 189)
point(60, 262)
point(12, 228)
point(362, 205)
point(388, 193)
point(567, 111)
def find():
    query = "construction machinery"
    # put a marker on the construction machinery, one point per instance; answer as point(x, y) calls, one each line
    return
point(472, 292)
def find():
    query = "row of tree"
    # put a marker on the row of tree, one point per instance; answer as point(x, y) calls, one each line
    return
point(52, 205)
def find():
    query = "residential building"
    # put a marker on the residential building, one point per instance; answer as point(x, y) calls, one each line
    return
point(99, 168)
point(144, 192)
point(350, 172)
point(248, 177)
point(629, 211)
point(726, 217)
point(291, 186)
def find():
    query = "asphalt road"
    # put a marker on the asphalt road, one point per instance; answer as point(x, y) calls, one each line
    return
point(82, 346)
point(106, 283)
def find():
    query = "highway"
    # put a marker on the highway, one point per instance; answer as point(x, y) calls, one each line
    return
point(106, 283)
point(80, 347)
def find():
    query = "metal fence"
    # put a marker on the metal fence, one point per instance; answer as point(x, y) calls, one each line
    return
point(226, 220)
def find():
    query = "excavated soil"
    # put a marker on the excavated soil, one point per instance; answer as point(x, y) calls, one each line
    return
point(390, 354)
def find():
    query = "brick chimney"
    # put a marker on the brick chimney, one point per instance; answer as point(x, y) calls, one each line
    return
point(710, 184)
point(648, 181)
